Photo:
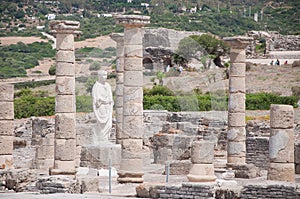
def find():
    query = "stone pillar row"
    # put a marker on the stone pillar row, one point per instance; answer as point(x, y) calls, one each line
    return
point(65, 107)
point(6, 125)
point(281, 143)
point(131, 136)
point(236, 136)
point(119, 38)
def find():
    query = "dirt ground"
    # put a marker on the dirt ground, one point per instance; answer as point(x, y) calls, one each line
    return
point(5, 41)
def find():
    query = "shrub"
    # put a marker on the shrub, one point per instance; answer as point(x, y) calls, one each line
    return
point(158, 90)
point(52, 70)
point(95, 66)
point(296, 64)
point(84, 104)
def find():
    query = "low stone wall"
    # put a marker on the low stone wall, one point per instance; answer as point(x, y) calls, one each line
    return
point(187, 190)
point(268, 189)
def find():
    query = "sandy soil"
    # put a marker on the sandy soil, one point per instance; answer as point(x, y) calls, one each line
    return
point(4, 41)
point(99, 42)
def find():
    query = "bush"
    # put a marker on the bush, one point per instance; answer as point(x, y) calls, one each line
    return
point(296, 64)
point(84, 104)
point(158, 90)
point(95, 66)
point(52, 70)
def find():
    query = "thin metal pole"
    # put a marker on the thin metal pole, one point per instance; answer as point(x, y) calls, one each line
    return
point(167, 171)
point(109, 176)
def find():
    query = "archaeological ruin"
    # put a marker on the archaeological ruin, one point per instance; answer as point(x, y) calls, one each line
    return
point(152, 153)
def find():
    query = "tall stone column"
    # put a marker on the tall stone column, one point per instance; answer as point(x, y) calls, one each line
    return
point(6, 125)
point(131, 138)
point(236, 136)
point(119, 38)
point(65, 107)
point(281, 143)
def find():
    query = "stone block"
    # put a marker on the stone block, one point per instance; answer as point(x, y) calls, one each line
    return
point(131, 170)
point(133, 108)
point(6, 161)
point(132, 127)
point(133, 79)
point(282, 172)
point(202, 152)
point(6, 93)
point(6, 110)
point(236, 134)
point(281, 145)
point(236, 120)
point(297, 153)
point(180, 167)
point(134, 145)
point(133, 95)
point(61, 167)
point(119, 90)
point(244, 170)
point(6, 145)
point(65, 104)
point(237, 102)
point(89, 184)
point(7, 127)
point(236, 148)
point(65, 149)
point(133, 51)
point(281, 116)
point(237, 69)
point(65, 56)
point(297, 168)
point(237, 85)
point(120, 77)
point(65, 125)
point(65, 42)
point(235, 159)
point(133, 36)
point(45, 164)
point(65, 85)
point(65, 69)
point(119, 114)
point(45, 152)
point(99, 156)
point(237, 55)
point(202, 173)
point(133, 64)
point(162, 155)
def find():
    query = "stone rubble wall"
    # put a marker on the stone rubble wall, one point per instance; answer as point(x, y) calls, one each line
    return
point(212, 190)
point(258, 152)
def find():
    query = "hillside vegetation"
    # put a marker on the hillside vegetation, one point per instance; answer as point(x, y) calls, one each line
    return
point(222, 17)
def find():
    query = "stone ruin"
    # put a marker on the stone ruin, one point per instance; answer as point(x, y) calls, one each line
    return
point(50, 155)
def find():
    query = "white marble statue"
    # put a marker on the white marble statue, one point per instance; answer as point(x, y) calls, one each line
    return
point(103, 107)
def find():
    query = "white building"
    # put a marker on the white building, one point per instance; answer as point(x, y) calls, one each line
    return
point(50, 16)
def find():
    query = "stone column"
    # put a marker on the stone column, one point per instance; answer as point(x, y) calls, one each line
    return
point(202, 156)
point(131, 138)
point(236, 136)
point(65, 107)
point(119, 38)
point(6, 125)
point(281, 143)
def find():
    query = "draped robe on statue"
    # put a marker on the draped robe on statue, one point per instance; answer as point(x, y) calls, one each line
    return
point(103, 108)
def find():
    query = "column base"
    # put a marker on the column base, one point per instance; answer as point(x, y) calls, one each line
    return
point(130, 177)
point(282, 172)
point(202, 173)
point(131, 171)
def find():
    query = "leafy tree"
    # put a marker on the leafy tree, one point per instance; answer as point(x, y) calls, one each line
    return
point(160, 75)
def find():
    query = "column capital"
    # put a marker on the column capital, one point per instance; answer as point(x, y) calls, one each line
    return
point(117, 37)
point(65, 27)
point(238, 42)
point(132, 21)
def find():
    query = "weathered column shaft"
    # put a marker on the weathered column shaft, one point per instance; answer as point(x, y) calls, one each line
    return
point(119, 84)
point(131, 137)
point(202, 156)
point(236, 136)
point(281, 143)
point(6, 125)
point(65, 107)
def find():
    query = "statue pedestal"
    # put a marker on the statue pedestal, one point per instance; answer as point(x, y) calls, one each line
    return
point(98, 156)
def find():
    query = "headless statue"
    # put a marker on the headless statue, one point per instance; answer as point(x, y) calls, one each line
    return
point(103, 107)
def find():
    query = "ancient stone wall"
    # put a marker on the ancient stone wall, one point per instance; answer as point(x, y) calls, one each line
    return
point(258, 152)
point(215, 190)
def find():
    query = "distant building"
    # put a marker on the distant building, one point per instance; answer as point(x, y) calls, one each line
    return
point(193, 10)
point(40, 27)
point(145, 4)
point(129, 1)
point(50, 16)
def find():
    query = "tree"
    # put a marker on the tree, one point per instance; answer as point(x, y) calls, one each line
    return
point(202, 47)
point(214, 47)
point(160, 75)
